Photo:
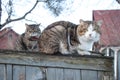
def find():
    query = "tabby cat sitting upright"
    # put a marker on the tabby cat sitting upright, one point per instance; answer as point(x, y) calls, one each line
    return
point(67, 38)
point(29, 39)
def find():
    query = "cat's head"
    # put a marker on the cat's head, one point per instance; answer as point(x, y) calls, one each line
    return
point(32, 31)
point(89, 30)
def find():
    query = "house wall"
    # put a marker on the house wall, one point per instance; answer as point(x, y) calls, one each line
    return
point(8, 39)
point(110, 37)
point(110, 28)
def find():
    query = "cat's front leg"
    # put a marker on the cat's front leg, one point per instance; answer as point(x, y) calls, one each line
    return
point(65, 51)
point(63, 48)
point(81, 52)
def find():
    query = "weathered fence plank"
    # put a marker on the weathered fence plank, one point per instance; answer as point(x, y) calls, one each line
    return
point(34, 73)
point(63, 74)
point(9, 72)
point(18, 72)
point(100, 75)
point(59, 74)
point(94, 63)
point(34, 66)
point(89, 75)
point(51, 74)
point(71, 74)
point(2, 72)
point(105, 76)
point(119, 65)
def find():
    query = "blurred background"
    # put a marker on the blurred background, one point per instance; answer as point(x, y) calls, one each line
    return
point(15, 13)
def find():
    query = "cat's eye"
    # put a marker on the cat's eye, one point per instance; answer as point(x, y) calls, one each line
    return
point(29, 31)
point(94, 29)
point(84, 30)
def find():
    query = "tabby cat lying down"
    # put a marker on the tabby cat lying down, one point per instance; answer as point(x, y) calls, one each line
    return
point(68, 38)
point(29, 39)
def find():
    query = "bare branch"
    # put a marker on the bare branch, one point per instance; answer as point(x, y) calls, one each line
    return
point(10, 10)
point(0, 11)
point(42, 0)
point(30, 20)
point(20, 18)
point(54, 6)
point(118, 1)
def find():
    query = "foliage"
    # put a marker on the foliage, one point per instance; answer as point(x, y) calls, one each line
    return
point(55, 6)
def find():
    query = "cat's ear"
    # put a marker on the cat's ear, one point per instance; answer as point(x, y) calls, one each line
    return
point(26, 25)
point(38, 24)
point(99, 22)
point(81, 21)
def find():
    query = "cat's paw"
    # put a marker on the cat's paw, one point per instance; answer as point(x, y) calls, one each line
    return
point(84, 53)
point(66, 53)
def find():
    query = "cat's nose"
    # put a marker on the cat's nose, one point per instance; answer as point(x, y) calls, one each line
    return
point(90, 35)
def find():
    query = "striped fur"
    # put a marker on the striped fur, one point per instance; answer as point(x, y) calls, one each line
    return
point(63, 37)
point(29, 39)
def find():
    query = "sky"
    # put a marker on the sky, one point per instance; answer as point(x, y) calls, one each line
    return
point(73, 11)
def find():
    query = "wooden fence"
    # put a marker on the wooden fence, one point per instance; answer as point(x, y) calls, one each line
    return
point(35, 66)
point(114, 52)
